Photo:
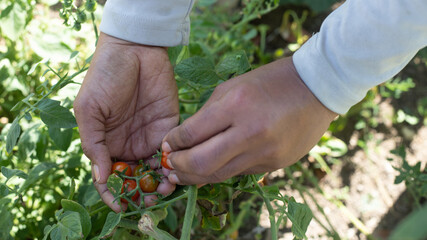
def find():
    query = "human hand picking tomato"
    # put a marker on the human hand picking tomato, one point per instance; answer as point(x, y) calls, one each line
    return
point(257, 122)
point(127, 103)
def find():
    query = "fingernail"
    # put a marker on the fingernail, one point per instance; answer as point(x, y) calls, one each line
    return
point(96, 172)
point(168, 161)
point(166, 147)
point(173, 178)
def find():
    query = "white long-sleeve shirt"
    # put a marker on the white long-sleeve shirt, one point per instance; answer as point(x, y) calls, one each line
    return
point(361, 44)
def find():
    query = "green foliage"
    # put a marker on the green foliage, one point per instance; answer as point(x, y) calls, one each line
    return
point(413, 226)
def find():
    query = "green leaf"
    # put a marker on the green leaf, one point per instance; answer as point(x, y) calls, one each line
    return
point(173, 53)
point(13, 135)
point(413, 226)
point(13, 21)
point(114, 185)
point(69, 205)
point(54, 115)
point(68, 227)
point(47, 230)
point(110, 223)
point(337, 146)
point(197, 70)
point(6, 223)
point(9, 173)
point(61, 137)
point(233, 63)
point(300, 216)
point(90, 196)
point(399, 179)
point(36, 174)
point(4, 190)
point(28, 141)
point(171, 219)
point(215, 222)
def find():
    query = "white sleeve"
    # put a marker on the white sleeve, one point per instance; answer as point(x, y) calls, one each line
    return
point(360, 45)
point(151, 22)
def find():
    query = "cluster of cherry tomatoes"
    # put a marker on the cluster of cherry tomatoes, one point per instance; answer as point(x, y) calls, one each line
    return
point(148, 183)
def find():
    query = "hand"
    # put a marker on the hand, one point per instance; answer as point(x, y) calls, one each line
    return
point(257, 122)
point(126, 105)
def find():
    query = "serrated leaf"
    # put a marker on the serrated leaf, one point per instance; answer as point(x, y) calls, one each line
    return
point(69, 205)
point(197, 70)
point(412, 227)
point(68, 228)
point(13, 22)
point(61, 137)
point(36, 174)
point(300, 216)
point(9, 173)
point(54, 115)
point(110, 223)
point(114, 185)
point(233, 63)
point(13, 135)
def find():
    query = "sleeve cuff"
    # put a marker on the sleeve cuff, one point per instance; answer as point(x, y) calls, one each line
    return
point(157, 23)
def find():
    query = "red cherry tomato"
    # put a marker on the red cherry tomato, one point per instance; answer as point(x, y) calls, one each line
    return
point(138, 171)
point(128, 186)
point(164, 160)
point(120, 167)
point(147, 183)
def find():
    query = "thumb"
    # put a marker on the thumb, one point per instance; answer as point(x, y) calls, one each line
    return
point(207, 122)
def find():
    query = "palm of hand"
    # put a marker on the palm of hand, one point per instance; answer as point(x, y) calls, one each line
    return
point(135, 97)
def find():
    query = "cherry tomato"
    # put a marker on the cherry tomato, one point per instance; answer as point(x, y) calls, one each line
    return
point(138, 171)
point(147, 183)
point(120, 167)
point(130, 185)
point(164, 160)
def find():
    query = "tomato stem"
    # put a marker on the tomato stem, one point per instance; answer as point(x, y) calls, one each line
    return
point(270, 209)
point(189, 212)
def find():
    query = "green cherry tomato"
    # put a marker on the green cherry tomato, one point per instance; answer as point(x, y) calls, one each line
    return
point(139, 170)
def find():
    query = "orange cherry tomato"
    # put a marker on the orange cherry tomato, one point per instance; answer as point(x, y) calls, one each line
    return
point(147, 183)
point(164, 160)
point(120, 167)
point(128, 186)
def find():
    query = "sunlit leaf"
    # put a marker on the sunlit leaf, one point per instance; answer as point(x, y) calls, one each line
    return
point(54, 115)
point(13, 135)
point(300, 216)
